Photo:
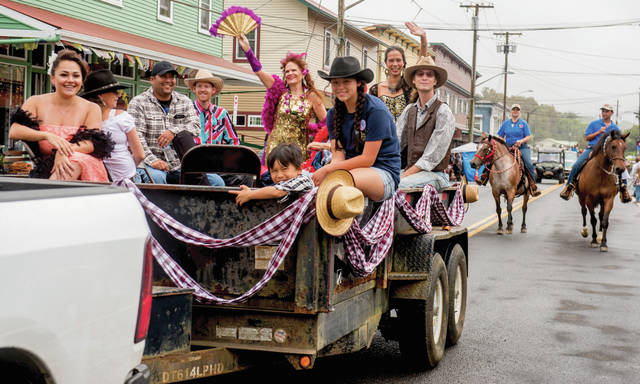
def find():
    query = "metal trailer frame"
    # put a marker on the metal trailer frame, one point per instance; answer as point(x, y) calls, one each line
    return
point(313, 307)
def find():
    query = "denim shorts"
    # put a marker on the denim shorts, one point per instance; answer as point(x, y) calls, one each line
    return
point(387, 180)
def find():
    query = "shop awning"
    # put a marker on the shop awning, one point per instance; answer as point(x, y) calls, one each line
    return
point(16, 26)
point(105, 38)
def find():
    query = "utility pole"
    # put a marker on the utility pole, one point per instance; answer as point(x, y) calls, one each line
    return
point(340, 27)
point(617, 106)
point(474, 26)
point(506, 48)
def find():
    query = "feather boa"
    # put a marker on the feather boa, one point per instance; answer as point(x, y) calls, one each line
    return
point(22, 117)
point(271, 99)
point(102, 143)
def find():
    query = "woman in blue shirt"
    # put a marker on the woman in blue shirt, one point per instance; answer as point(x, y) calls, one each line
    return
point(515, 132)
point(362, 132)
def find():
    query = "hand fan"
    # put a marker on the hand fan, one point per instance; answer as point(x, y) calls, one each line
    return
point(235, 21)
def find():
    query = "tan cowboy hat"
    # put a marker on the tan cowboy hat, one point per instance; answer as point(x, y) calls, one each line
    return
point(204, 75)
point(338, 202)
point(426, 63)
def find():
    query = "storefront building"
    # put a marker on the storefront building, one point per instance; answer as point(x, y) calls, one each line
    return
point(29, 35)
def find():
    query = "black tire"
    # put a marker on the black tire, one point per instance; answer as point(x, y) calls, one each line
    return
point(420, 347)
point(457, 274)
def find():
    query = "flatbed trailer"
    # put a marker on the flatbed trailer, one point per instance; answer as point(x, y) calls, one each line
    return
point(313, 307)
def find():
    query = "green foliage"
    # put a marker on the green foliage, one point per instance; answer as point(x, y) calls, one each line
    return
point(544, 120)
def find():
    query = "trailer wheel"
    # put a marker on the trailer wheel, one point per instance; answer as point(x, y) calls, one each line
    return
point(424, 322)
point(457, 271)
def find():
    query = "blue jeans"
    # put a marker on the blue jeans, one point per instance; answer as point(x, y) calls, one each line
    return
point(637, 188)
point(387, 181)
point(578, 164)
point(173, 177)
point(525, 154)
point(439, 180)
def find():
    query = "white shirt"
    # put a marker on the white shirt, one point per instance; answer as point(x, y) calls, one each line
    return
point(120, 165)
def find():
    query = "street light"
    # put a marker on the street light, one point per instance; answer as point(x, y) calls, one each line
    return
point(494, 76)
point(525, 91)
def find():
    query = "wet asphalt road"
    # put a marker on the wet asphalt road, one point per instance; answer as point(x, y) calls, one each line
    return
point(543, 307)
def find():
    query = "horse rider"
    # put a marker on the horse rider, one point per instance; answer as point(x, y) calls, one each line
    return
point(426, 128)
point(516, 133)
point(592, 134)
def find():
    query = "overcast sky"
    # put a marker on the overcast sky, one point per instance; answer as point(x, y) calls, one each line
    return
point(612, 50)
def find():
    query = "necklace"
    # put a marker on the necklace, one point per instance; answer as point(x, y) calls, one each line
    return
point(299, 113)
point(394, 88)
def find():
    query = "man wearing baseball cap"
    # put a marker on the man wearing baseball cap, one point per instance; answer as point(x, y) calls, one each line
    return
point(593, 133)
point(161, 115)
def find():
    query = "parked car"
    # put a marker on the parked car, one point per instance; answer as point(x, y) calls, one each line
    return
point(550, 165)
point(76, 270)
point(570, 158)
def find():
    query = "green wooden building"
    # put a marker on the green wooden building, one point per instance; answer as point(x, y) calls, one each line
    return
point(126, 36)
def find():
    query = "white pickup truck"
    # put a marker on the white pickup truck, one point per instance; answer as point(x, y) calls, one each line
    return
point(75, 283)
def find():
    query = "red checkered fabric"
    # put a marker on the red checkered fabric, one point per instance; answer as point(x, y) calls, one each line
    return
point(284, 227)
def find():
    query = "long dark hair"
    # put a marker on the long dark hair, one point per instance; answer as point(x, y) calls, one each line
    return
point(395, 48)
point(338, 119)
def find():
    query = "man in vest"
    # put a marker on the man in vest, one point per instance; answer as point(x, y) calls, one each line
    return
point(426, 128)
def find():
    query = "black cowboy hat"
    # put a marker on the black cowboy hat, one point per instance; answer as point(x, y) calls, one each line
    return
point(99, 82)
point(344, 67)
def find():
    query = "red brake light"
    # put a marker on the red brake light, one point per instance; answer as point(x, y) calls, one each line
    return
point(144, 307)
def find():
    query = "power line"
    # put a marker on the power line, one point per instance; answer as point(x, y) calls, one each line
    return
point(542, 71)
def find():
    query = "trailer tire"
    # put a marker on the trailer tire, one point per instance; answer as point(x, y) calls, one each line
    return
point(423, 323)
point(457, 271)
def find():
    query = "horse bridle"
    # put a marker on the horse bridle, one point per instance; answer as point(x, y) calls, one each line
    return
point(611, 160)
point(487, 158)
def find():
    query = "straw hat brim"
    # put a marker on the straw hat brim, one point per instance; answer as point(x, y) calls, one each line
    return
point(213, 80)
point(470, 193)
point(441, 74)
point(334, 227)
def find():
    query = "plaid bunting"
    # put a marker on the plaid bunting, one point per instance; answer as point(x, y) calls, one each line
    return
point(284, 227)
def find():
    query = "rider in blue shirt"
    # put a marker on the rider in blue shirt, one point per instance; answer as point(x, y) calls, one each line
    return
point(516, 132)
point(592, 134)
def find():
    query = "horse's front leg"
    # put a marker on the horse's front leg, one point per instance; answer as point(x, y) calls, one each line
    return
point(601, 219)
point(525, 200)
point(594, 221)
point(604, 223)
point(496, 197)
point(585, 231)
point(510, 196)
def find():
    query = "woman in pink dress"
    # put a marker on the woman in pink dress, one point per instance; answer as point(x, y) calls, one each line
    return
point(66, 126)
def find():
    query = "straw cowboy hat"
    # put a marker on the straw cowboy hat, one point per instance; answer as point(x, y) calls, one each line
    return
point(99, 82)
point(426, 63)
point(206, 76)
point(344, 67)
point(338, 202)
point(469, 193)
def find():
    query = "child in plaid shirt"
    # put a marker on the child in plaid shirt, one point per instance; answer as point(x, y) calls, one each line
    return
point(285, 166)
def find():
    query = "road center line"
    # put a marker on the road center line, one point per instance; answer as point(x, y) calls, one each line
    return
point(515, 207)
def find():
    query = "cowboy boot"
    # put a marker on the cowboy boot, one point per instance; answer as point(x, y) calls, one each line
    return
point(625, 197)
point(567, 192)
point(533, 188)
point(484, 177)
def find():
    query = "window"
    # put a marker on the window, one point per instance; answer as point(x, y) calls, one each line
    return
point(347, 48)
point(255, 121)
point(477, 123)
point(254, 42)
point(241, 120)
point(114, 2)
point(121, 66)
point(327, 49)
point(13, 51)
point(455, 104)
point(38, 56)
point(365, 57)
point(165, 11)
point(204, 14)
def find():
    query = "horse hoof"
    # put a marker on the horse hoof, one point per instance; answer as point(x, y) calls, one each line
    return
point(594, 244)
point(599, 237)
point(499, 231)
point(509, 231)
point(604, 248)
point(585, 232)
point(523, 230)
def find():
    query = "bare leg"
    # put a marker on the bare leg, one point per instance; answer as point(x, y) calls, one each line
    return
point(369, 182)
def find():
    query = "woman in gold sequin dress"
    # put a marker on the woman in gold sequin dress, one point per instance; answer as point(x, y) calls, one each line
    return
point(394, 92)
point(290, 105)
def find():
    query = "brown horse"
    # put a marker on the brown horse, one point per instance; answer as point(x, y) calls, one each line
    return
point(597, 183)
point(505, 175)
